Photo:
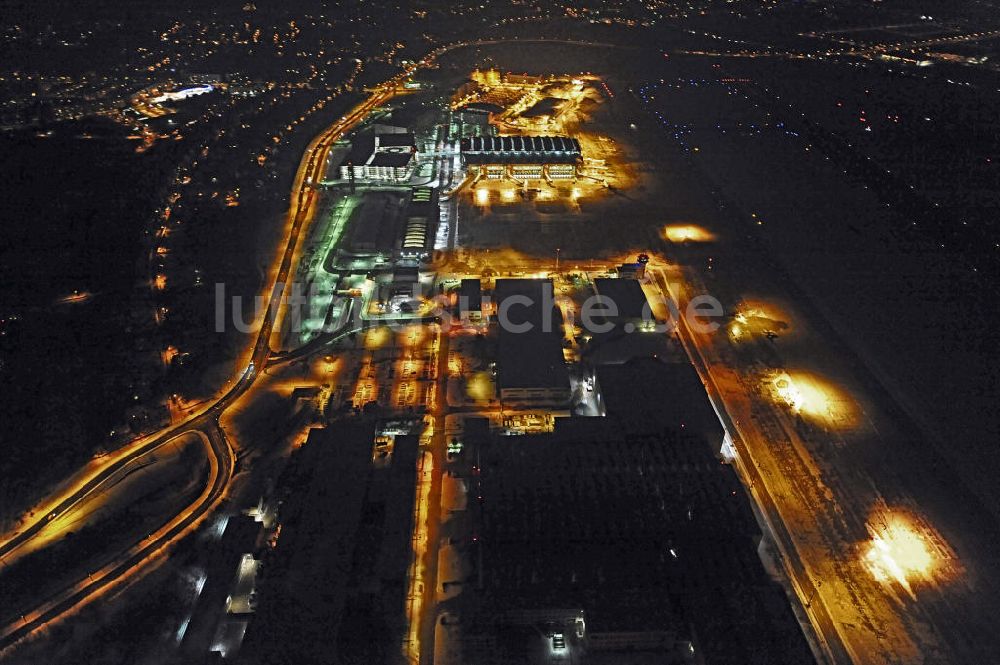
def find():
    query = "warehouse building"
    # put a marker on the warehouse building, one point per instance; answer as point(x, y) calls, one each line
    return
point(521, 157)
point(622, 303)
point(532, 368)
point(635, 509)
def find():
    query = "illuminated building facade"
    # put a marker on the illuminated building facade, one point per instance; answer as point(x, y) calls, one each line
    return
point(522, 157)
point(422, 215)
point(382, 157)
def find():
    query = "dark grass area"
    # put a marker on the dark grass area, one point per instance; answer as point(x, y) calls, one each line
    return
point(73, 210)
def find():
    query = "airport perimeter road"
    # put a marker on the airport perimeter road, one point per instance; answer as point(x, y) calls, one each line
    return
point(821, 620)
point(205, 423)
point(816, 501)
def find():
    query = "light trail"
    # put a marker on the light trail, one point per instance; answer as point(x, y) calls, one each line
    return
point(417, 573)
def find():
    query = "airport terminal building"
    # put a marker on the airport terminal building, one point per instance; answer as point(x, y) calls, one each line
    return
point(521, 157)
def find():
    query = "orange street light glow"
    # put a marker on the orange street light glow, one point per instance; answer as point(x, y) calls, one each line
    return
point(814, 398)
point(897, 552)
point(687, 233)
point(788, 392)
point(761, 316)
point(480, 387)
point(377, 337)
point(413, 336)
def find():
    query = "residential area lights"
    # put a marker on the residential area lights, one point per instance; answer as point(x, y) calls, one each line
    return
point(799, 424)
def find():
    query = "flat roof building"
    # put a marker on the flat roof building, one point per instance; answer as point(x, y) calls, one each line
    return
point(638, 529)
point(470, 299)
point(340, 564)
point(679, 402)
point(532, 370)
point(624, 301)
point(373, 223)
point(382, 157)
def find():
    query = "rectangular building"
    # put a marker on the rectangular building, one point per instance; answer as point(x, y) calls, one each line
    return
point(373, 223)
point(470, 299)
point(422, 217)
point(381, 157)
point(625, 303)
point(325, 485)
point(521, 157)
point(632, 526)
point(649, 391)
point(532, 370)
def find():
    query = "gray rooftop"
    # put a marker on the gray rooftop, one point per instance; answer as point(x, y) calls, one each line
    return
point(533, 358)
point(626, 295)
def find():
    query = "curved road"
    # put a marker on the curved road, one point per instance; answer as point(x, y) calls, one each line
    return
point(205, 423)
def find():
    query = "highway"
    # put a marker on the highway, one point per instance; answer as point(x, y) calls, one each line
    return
point(221, 468)
point(854, 49)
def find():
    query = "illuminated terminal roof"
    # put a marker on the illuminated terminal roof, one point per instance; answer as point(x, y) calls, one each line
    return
point(520, 149)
